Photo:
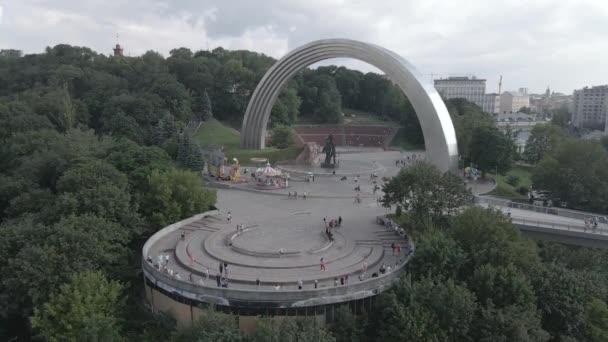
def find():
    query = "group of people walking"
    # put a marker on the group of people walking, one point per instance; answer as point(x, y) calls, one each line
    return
point(329, 225)
point(222, 276)
point(408, 160)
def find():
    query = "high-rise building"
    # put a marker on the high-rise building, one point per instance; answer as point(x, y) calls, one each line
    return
point(590, 107)
point(472, 89)
point(513, 101)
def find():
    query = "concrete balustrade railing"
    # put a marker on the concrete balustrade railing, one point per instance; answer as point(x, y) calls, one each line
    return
point(267, 294)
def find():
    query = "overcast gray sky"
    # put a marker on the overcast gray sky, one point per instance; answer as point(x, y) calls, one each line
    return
point(532, 43)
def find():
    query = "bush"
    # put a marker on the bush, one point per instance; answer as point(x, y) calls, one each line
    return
point(398, 211)
point(281, 136)
point(512, 180)
point(522, 190)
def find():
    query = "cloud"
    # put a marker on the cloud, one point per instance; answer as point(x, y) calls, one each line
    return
point(531, 43)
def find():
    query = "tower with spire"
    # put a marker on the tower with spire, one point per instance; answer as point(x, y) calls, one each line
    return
point(117, 49)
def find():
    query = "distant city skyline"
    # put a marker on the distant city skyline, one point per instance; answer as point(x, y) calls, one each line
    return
point(531, 44)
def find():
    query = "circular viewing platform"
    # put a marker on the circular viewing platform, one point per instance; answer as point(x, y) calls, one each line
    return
point(282, 251)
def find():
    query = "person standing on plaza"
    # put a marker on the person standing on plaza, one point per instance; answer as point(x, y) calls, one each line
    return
point(316, 283)
point(229, 216)
point(207, 273)
point(323, 268)
point(218, 279)
point(339, 221)
point(364, 268)
point(257, 282)
point(393, 247)
point(221, 268)
point(335, 281)
point(226, 269)
point(304, 196)
point(167, 260)
point(398, 247)
point(300, 283)
point(342, 281)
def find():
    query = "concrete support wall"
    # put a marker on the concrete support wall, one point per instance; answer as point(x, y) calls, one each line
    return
point(185, 315)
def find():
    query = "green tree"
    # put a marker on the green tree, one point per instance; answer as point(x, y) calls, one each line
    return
point(425, 310)
point(467, 118)
point(291, 101)
point(511, 323)
point(303, 329)
point(491, 150)
point(174, 195)
point(487, 236)
point(526, 110)
point(563, 295)
point(86, 308)
point(183, 148)
point(10, 53)
point(437, 255)
point(425, 191)
point(43, 257)
point(206, 111)
point(561, 117)
point(347, 327)
point(281, 136)
point(159, 135)
point(196, 159)
point(576, 172)
point(211, 326)
point(96, 187)
point(279, 114)
point(597, 320)
point(542, 139)
point(502, 286)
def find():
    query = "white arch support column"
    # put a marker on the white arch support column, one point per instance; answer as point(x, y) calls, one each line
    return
point(435, 121)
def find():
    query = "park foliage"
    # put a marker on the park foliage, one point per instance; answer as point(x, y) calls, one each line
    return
point(97, 154)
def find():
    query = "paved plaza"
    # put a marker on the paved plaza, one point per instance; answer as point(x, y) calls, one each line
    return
point(283, 238)
point(282, 242)
point(270, 236)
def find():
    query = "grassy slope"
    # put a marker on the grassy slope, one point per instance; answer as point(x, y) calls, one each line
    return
point(214, 132)
point(505, 190)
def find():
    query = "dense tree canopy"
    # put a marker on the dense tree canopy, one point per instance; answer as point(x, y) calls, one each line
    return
point(85, 308)
point(424, 191)
point(542, 140)
point(491, 149)
point(576, 172)
point(95, 151)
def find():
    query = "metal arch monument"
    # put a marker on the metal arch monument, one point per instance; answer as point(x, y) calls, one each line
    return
point(435, 121)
